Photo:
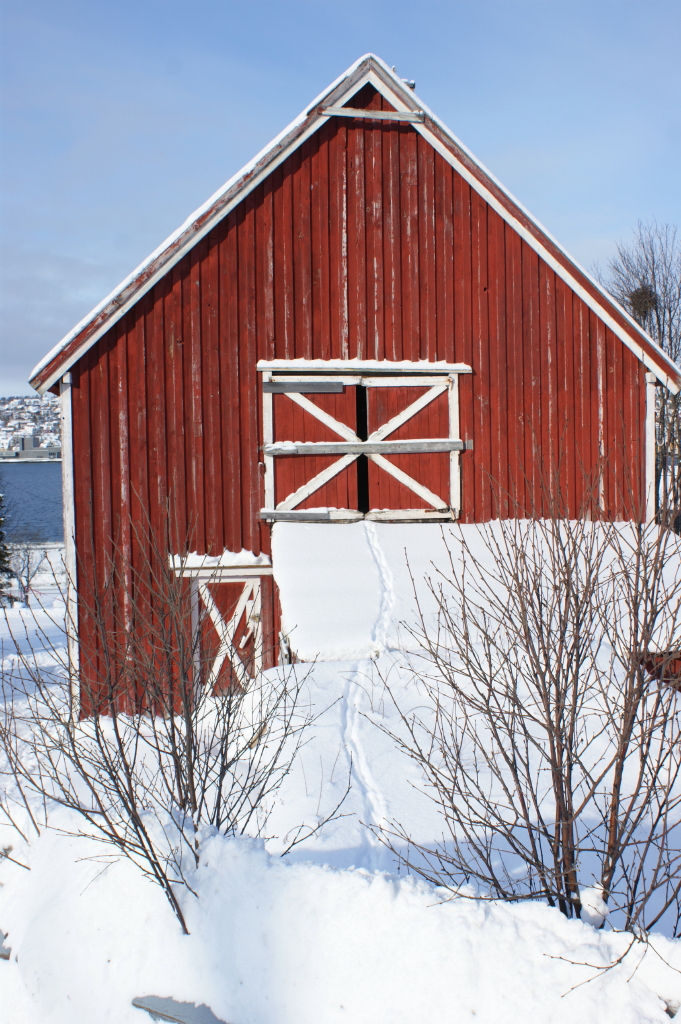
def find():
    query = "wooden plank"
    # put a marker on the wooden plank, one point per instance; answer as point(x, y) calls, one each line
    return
point(157, 400)
point(338, 243)
point(409, 203)
point(231, 392)
point(268, 438)
point(321, 246)
point(320, 369)
point(70, 550)
point(83, 514)
point(406, 382)
point(283, 516)
point(318, 481)
point(601, 454)
point(498, 367)
point(408, 481)
point(342, 429)
point(265, 283)
point(444, 267)
point(366, 447)
point(568, 411)
point(485, 484)
point(265, 347)
point(531, 467)
point(250, 495)
point(411, 515)
point(392, 271)
point(455, 459)
point(580, 403)
point(463, 330)
point(174, 358)
point(357, 228)
point(406, 414)
point(302, 254)
point(284, 240)
point(547, 384)
point(211, 406)
point(195, 461)
point(374, 241)
point(103, 524)
point(425, 156)
point(373, 115)
point(514, 344)
point(285, 387)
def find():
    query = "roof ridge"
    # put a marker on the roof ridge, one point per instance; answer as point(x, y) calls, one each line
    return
point(367, 69)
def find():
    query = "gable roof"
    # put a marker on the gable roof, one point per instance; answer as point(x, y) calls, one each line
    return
point(367, 70)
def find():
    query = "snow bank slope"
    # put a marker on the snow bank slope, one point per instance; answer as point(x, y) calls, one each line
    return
point(346, 588)
point(279, 943)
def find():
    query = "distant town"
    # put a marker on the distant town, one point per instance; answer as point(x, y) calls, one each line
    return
point(30, 427)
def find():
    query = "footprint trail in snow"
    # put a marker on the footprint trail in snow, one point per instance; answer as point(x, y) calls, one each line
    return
point(374, 807)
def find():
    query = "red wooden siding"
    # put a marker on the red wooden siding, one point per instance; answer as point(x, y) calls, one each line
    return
point(226, 596)
point(430, 469)
point(294, 424)
point(363, 244)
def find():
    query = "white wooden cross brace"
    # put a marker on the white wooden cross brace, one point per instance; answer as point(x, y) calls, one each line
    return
point(346, 432)
point(248, 604)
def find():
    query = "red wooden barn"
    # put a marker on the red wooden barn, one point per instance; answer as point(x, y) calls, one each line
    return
point(363, 323)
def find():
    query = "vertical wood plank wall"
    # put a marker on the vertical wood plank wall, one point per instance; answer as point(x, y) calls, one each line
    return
point(363, 244)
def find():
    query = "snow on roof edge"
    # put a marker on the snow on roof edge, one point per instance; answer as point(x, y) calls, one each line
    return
point(191, 219)
point(538, 224)
point(412, 101)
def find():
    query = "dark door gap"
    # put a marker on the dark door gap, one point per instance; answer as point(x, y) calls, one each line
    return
point(362, 461)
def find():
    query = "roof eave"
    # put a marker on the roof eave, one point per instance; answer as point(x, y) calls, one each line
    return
point(74, 344)
point(368, 68)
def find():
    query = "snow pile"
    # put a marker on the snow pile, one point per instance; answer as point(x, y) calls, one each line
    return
point(279, 943)
point(37, 632)
point(335, 931)
point(352, 590)
point(227, 560)
point(346, 588)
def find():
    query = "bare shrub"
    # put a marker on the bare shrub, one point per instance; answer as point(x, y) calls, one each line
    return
point(151, 751)
point(645, 277)
point(27, 559)
point(547, 731)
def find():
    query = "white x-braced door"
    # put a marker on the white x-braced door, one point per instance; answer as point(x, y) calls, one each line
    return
point(361, 442)
point(228, 616)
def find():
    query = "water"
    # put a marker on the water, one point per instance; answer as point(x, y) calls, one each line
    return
point(33, 501)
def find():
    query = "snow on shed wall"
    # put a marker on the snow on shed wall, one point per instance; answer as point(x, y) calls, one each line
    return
point(363, 244)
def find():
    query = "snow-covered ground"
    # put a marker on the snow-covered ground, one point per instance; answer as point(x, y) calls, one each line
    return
point(278, 943)
point(336, 930)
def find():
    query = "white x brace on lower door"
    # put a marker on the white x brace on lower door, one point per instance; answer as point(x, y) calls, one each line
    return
point(248, 606)
point(375, 447)
point(237, 640)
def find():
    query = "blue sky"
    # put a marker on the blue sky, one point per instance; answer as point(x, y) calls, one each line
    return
point(119, 117)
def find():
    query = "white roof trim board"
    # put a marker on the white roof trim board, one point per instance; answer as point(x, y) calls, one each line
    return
point(360, 365)
point(368, 69)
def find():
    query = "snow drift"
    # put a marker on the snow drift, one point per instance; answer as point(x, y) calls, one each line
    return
point(279, 943)
point(336, 931)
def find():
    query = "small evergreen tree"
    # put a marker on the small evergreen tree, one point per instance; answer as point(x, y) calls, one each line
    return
point(5, 567)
